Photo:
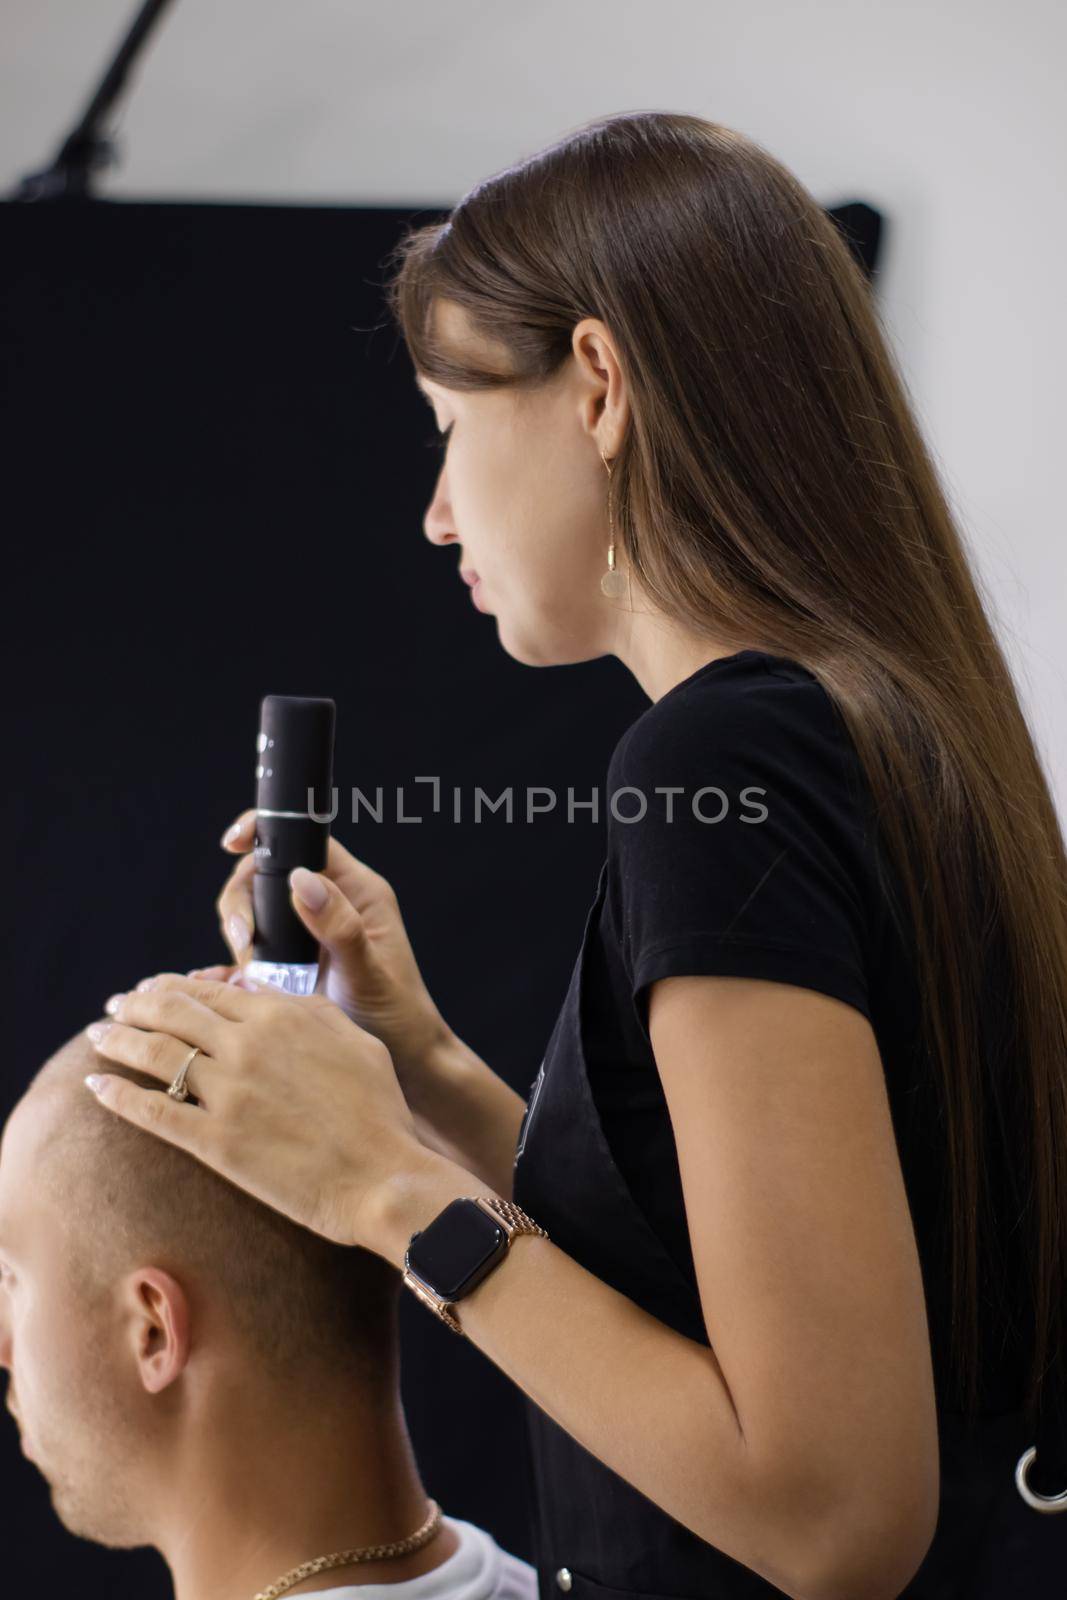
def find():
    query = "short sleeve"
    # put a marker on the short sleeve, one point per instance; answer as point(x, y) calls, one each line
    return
point(746, 852)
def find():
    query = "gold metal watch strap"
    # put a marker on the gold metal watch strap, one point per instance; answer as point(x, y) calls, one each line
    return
point(428, 1298)
point(514, 1218)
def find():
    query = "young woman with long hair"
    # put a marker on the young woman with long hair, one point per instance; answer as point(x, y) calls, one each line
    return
point(799, 1137)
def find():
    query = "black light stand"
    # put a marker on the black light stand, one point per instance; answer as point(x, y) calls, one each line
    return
point(86, 150)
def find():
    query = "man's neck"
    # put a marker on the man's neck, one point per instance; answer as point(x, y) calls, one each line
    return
point(270, 1489)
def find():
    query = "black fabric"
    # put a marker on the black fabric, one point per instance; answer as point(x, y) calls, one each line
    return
point(803, 896)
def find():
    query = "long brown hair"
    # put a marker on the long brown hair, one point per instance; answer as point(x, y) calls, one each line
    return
point(774, 487)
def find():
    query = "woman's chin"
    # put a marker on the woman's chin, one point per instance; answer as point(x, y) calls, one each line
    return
point(529, 652)
point(538, 639)
point(532, 652)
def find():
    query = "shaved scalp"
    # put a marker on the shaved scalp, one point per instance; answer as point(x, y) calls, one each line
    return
point(309, 1309)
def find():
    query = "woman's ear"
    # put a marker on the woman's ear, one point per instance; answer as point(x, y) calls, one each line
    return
point(605, 402)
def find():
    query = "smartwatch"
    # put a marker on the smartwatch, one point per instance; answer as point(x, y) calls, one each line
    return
point(447, 1259)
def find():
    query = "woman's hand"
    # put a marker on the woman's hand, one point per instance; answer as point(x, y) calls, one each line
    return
point(368, 967)
point(293, 1101)
point(463, 1111)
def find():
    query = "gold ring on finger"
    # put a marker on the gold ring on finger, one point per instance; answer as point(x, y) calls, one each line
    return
point(177, 1089)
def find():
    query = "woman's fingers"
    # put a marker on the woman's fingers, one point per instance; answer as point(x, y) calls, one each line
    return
point(158, 1054)
point(154, 1031)
point(234, 907)
point(340, 904)
point(175, 1000)
point(326, 911)
point(239, 836)
point(234, 904)
point(361, 886)
point(180, 1124)
point(354, 877)
point(153, 1027)
point(218, 995)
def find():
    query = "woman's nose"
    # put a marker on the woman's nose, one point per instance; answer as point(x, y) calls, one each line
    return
point(437, 523)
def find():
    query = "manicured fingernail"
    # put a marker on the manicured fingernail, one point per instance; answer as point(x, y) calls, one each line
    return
point(232, 832)
point(95, 1082)
point(239, 931)
point(308, 888)
point(147, 983)
point(111, 1004)
point(98, 1031)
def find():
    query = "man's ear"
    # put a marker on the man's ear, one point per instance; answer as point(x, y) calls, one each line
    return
point(156, 1310)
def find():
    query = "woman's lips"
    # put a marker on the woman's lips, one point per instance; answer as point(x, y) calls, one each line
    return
point(470, 577)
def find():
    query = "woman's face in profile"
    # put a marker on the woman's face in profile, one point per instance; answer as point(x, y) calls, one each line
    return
point(522, 494)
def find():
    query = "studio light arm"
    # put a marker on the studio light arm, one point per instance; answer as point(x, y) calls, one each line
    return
point(87, 150)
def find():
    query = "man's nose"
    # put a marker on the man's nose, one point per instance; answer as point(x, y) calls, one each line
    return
point(437, 523)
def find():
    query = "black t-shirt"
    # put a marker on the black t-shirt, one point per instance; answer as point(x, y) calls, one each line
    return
point(765, 863)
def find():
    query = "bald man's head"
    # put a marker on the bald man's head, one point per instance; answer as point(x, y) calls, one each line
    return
point(145, 1302)
point(306, 1308)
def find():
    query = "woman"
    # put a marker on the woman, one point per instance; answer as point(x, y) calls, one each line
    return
point(798, 1143)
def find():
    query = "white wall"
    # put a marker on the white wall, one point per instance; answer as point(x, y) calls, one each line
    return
point(947, 115)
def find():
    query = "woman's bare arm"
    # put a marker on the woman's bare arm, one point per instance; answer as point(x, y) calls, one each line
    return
point(646, 1400)
point(465, 1111)
point(803, 1443)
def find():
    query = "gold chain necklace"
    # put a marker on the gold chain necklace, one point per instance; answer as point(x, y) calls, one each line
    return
point(347, 1558)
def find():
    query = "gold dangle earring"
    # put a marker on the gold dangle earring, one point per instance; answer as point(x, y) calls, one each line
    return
point(613, 583)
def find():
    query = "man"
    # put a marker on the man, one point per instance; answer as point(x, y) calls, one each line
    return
point(193, 1371)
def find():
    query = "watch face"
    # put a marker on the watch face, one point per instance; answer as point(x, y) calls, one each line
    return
point(456, 1251)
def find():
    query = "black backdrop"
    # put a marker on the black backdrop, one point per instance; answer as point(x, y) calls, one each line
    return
point(215, 481)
